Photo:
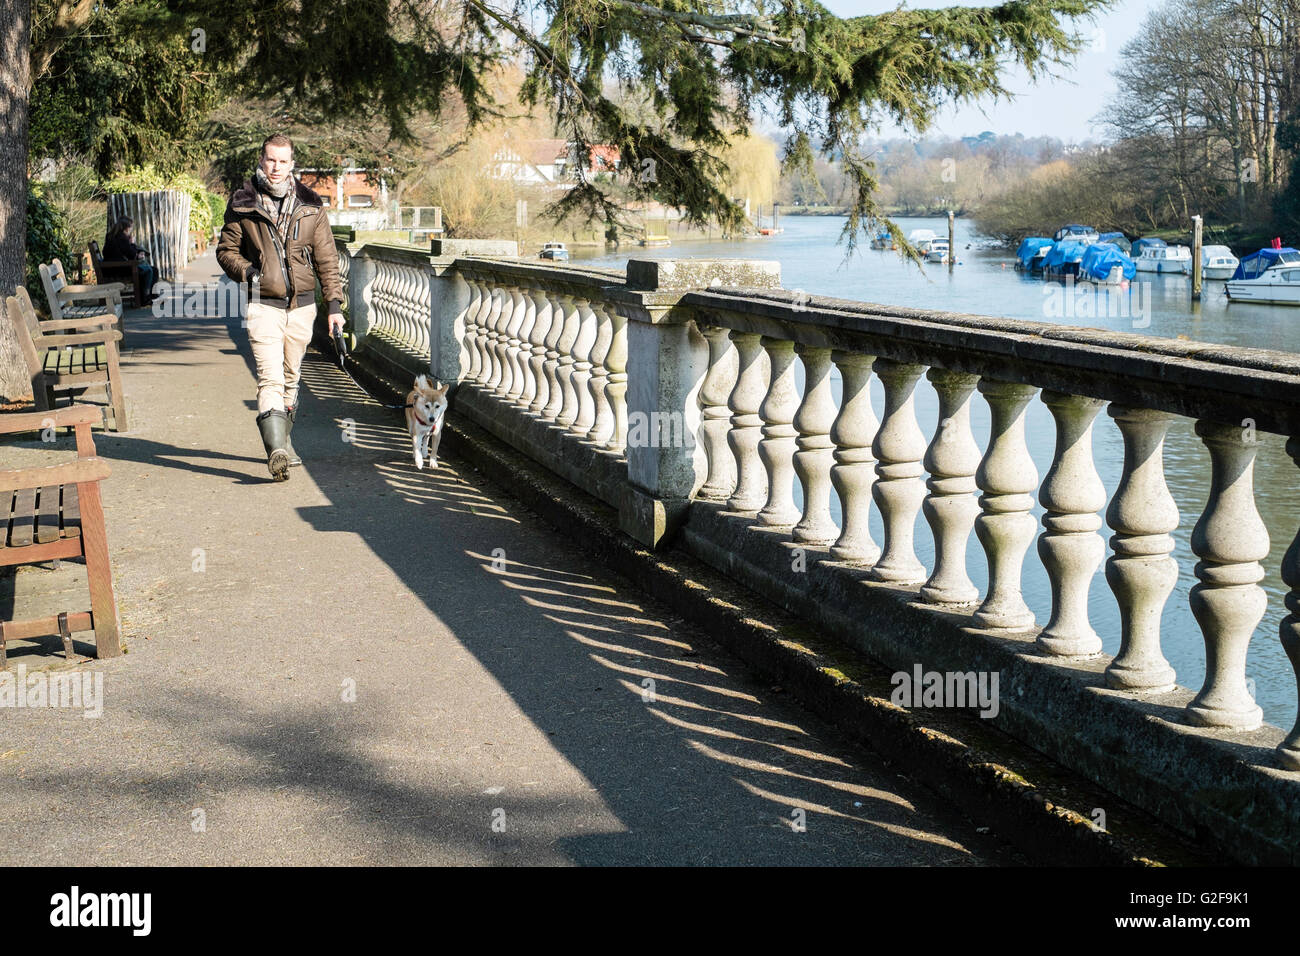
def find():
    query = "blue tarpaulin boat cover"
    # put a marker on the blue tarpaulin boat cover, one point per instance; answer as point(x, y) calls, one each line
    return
point(1146, 242)
point(1067, 250)
point(1254, 265)
point(1101, 258)
point(1115, 239)
point(1029, 248)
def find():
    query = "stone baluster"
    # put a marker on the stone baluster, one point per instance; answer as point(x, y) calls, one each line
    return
point(561, 306)
point(500, 302)
point(746, 425)
point(517, 349)
point(1289, 750)
point(1072, 495)
point(898, 448)
point(616, 384)
point(816, 454)
point(603, 424)
point(418, 307)
point(538, 384)
point(777, 447)
point(1005, 527)
point(1228, 603)
point(587, 330)
point(1140, 571)
point(483, 337)
point(472, 328)
point(950, 507)
point(511, 316)
point(715, 417)
point(568, 413)
point(854, 470)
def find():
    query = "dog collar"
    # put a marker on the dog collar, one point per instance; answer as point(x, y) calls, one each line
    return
point(416, 413)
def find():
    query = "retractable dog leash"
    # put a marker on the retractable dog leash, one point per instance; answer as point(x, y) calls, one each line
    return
point(341, 350)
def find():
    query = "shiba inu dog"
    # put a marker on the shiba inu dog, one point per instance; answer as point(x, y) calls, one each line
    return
point(425, 407)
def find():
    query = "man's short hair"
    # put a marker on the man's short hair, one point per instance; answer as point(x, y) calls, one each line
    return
point(277, 139)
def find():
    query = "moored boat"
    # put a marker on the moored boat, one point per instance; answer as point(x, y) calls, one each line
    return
point(1063, 259)
point(1217, 262)
point(1031, 253)
point(1105, 264)
point(1173, 259)
point(1257, 263)
point(937, 250)
point(555, 251)
point(1077, 233)
point(921, 237)
point(1143, 253)
point(1117, 240)
point(1276, 285)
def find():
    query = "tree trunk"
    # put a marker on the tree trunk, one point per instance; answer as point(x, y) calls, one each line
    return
point(15, 86)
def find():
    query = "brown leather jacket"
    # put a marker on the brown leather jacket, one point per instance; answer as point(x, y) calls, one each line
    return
point(249, 240)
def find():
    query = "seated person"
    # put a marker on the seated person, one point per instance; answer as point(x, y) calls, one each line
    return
point(119, 247)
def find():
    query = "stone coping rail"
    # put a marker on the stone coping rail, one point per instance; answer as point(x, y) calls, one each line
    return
point(671, 392)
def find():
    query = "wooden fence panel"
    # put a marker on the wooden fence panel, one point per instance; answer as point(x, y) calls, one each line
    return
point(162, 226)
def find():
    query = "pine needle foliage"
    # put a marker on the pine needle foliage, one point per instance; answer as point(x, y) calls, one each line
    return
point(705, 68)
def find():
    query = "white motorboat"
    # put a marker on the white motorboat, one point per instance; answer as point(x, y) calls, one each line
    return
point(1174, 259)
point(1077, 233)
point(1163, 259)
point(918, 237)
point(1279, 285)
point(1217, 262)
point(937, 250)
point(1147, 260)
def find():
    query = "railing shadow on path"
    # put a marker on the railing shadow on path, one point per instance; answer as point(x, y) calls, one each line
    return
point(699, 770)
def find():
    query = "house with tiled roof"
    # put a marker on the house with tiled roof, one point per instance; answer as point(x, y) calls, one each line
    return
point(549, 162)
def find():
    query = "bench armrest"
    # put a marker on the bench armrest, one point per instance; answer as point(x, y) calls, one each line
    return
point(62, 417)
point(59, 325)
point(103, 288)
point(69, 473)
point(102, 337)
point(104, 298)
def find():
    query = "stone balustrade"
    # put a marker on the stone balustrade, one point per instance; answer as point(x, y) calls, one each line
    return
point(672, 393)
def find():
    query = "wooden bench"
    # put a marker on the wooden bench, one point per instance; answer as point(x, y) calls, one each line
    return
point(53, 512)
point(120, 271)
point(69, 362)
point(80, 301)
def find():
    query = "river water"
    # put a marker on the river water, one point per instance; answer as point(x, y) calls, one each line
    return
point(812, 259)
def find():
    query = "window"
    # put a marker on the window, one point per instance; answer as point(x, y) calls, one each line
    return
point(361, 201)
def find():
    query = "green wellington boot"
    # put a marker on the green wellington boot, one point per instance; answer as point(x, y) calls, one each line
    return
point(274, 426)
point(294, 458)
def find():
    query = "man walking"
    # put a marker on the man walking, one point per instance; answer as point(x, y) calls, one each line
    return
point(277, 239)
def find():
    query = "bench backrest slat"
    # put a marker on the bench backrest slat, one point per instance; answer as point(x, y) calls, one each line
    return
point(27, 328)
point(52, 288)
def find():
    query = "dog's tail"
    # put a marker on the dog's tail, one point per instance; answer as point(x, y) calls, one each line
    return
point(422, 383)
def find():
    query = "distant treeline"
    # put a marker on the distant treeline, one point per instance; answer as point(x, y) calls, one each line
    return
point(1205, 120)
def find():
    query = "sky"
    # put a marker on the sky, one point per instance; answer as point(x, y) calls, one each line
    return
point(1064, 107)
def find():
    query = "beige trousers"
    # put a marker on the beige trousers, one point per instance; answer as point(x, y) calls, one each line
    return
point(279, 338)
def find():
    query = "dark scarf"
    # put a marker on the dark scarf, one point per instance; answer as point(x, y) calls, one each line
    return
point(278, 202)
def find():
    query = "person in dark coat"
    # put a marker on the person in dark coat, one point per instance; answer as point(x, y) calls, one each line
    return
point(120, 247)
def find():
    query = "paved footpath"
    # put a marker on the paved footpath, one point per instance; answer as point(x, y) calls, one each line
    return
point(370, 664)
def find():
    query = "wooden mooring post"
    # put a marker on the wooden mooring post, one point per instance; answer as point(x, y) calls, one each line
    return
point(1196, 258)
point(952, 240)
